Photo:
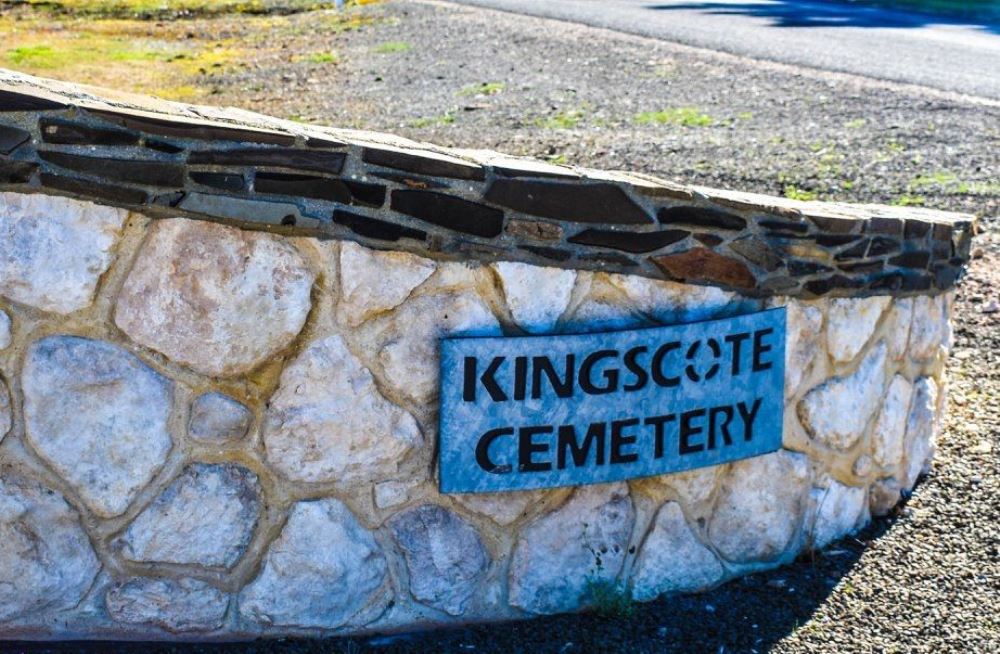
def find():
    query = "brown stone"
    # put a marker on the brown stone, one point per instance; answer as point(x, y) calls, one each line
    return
point(704, 265)
point(535, 229)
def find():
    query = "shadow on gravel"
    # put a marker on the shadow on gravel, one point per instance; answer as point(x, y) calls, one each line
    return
point(750, 614)
point(789, 13)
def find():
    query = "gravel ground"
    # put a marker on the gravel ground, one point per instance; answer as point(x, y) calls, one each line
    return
point(924, 580)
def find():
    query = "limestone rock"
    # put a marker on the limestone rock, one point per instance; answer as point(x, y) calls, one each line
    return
point(802, 346)
point(372, 282)
point(897, 332)
point(595, 315)
point(206, 517)
point(692, 486)
point(216, 418)
point(850, 323)
point(890, 427)
point(321, 571)
point(536, 296)
point(837, 412)
point(502, 508)
point(840, 510)
point(559, 556)
point(410, 355)
point(928, 329)
point(46, 560)
point(445, 558)
point(6, 412)
point(760, 507)
point(231, 300)
point(672, 559)
point(181, 605)
point(328, 422)
point(393, 492)
point(53, 250)
point(6, 335)
point(883, 496)
point(920, 430)
point(671, 302)
point(98, 415)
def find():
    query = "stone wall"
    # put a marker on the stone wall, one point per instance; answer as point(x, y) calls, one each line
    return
point(209, 432)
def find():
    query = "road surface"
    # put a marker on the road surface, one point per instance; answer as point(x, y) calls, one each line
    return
point(889, 45)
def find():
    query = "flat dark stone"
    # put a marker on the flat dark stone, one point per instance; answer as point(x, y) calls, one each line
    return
point(609, 259)
point(224, 181)
point(888, 226)
point(154, 173)
point(410, 181)
point(942, 232)
point(573, 202)
point(917, 283)
point(946, 275)
point(711, 240)
point(864, 267)
point(941, 249)
point(169, 199)
point(91, 189)
point(829, 240)
point(700, 217)
point(803, 268)
point(834, 225)
point(757, 251)
point(629, 241)
point(309, 186)
point(315, 160)
point(857, 251)
point(882, 245)
point(181, 129)
point(316, 142)
point(363, 193)
point(890, 282)
point(449, 212)
point(827, 284)
point(16, 172)
point(783, 226)
point(63, 132)
point(162, 146)
point(375, 228)
point(423, 165)
point(706, 266)
point(13, 101)
point(918, 260)
point(555, 254)
point(11, 138)
point(916, 229)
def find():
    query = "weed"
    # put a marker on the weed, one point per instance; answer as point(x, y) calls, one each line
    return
point(857, 123)
point(322, 58)
point(391, 47)
point(685, 116)
point(793, 192)
point(446, 118)
point(908, 200)
point(567, 119)
point(486, 88)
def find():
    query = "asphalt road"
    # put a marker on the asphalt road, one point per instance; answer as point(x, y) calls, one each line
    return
point(888, 45)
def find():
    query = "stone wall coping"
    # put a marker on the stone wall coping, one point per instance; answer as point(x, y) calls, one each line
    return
point(168, 159)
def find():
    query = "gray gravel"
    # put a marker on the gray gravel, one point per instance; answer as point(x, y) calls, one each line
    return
point(925, 580)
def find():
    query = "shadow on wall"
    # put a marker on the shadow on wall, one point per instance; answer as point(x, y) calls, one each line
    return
point(791, 13)
point(751, 613)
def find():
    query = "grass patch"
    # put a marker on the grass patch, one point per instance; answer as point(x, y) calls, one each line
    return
point(391, 47)
point(909, 200)
point(793, 192)
point(857, 123)
point(173, 9)
point(433, 121)
point(322, 58)
point(567, 119)
point(486, 88)
point(684, 116)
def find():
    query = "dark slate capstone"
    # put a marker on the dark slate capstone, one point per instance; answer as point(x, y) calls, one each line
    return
point(63, 132)
point(169, 199)
point(854, 252)
point(629, 241)
point(700, 217)
point(574, 202)
point(16, 172)
point(315, 142)
point(12, 138)
point(802, 268)
point(410, 181)
point(155, 173)
point(309, 186)
point(757, 251)
point(912, 260)
point(162, 146)
point(555, 254)
point(889, 226)
point(314, 160)
point(450, 212)
point(711, 240)
point(783, 226)
point(423, 165)
point(224, 181)
point(179, 128)
point(828, 240)
point(863, 267)
point(375, 228)
point(91, 189)
point(833, 224)
point(882, 245)
point(706, 266)
point(890, 282)
point(363, 193)
point(12, 101)
point(827, 284)
point(916, 229)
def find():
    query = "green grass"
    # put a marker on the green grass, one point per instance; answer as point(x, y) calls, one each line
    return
point(447, 118)
point(322, 58)
point(857, 123)
point(486, 88)
point(165, 9)
point(567, 119)
point(793, 192)
point(909, 200)
point(684, 116)
point(391, 47)
point(47, 57)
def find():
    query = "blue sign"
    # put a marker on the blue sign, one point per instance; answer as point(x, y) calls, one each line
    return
point(546, 411)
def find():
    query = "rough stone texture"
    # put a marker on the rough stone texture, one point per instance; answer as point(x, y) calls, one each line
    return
point(6, 329)
point(410, 356)
point(760, 507)
point(897, 332)
point(840, 510)
point(670, 302)
point(837, 412)
point(46, 561)
point(392, 493)
point(328, 422)
point(502, 508)
point(802, 348)
point(98, 415)
point(890, 427)
point(36, 266)
point(320, 572)
point(561, 555)
point(536, 296)
point(928, 329)
point(921, 429)
point(206, 516)
point(6, 412)
point(232, 299)
point(373, 282)
point(216, 417)
point(672, 559)
point(850, 323)
point(445, 557)
point(181, 605)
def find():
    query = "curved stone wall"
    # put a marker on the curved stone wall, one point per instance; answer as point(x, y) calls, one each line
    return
point(219, 363)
